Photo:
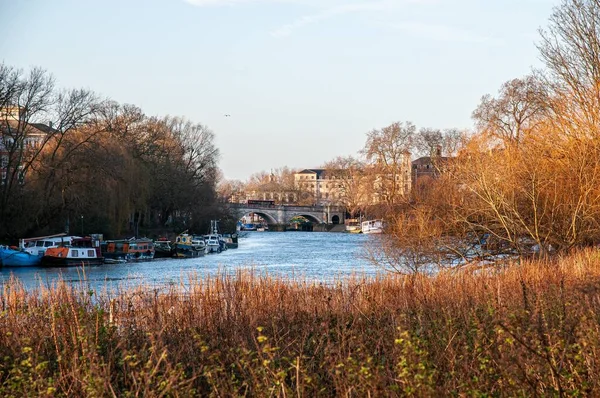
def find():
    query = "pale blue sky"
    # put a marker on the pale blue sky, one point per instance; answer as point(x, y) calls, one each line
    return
point(303, 80)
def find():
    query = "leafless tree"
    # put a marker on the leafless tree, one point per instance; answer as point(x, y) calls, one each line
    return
point(387, 151)
point(348, 173)
point(570, 48)
point(517, 110)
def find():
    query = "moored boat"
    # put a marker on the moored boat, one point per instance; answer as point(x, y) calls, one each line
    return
point(353, 225)
point(231, 240)
point(213, 245)
point(115, 251)
point(140, 250)
point(38, 246)
point(17, 258)
point(82, 251)
point(249, 227)
point(162, 249)
point(372, 227)
point(187, 246)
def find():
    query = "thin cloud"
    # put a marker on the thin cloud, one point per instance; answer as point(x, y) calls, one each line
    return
point(444, 33)
point(327, 13)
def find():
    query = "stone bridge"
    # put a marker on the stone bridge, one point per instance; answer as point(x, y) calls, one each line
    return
point(283, 214)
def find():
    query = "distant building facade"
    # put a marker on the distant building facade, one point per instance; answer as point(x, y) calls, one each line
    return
point(17, 138)
point(327, 188)
point(324, 187)
point(427, 167)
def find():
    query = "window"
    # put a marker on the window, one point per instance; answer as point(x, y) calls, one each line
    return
point(91, 253)
point(75, 253)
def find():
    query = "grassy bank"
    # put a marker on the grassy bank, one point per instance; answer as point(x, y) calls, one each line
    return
point(528, 329)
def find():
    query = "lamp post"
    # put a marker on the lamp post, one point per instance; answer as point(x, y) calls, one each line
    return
point(82, 225)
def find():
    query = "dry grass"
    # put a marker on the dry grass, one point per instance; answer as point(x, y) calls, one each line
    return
point(528, 329)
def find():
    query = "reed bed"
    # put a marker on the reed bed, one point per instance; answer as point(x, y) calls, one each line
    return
point(531, 328)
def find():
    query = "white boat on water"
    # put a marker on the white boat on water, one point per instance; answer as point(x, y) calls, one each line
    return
point(372, 227)
point(38, 246)
point(212, 243)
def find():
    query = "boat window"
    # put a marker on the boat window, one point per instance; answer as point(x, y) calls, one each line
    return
point(75, 253)
point(39, 243)
point(91, 253)
point(48, 244)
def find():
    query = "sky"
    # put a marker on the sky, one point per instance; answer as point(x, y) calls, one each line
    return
point(303, 80)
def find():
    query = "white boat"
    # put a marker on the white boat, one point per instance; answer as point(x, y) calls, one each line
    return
point(372, 227)
point(212, 243)
point(38, 246)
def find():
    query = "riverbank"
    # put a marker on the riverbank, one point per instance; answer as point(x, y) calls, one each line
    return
point(529, 329)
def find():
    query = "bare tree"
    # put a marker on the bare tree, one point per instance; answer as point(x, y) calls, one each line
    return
point(516, 111)
point(387, 151)
point(453, 140)
point(435, 142)
point(570, 47)
point(348, 173)
point(428, 142)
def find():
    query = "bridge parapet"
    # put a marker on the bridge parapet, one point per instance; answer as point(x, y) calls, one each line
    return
point(282, 214)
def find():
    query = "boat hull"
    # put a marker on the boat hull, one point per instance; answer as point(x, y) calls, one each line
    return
point(187, 252)
point(160, 253)
point(81, 253)
point(15, 258)
point(51, 261)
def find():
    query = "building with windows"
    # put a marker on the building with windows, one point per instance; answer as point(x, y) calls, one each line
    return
point(319, 185)
point(427, 167)
point(329, 188)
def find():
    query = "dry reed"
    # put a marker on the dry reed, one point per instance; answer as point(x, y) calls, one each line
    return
point(528, 329)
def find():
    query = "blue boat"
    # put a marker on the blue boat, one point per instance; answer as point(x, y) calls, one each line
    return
point(16, 258)
point(249, 227)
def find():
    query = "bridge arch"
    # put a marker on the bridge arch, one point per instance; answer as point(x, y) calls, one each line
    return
point(309, 217)
point(264, 214)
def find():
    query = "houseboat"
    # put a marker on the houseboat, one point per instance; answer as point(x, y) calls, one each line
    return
point(127, 250)
point(81, 251)
point(38, 246)
point(372, 227)
point(140, 250)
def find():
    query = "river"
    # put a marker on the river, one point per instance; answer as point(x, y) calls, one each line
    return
point(312, 256)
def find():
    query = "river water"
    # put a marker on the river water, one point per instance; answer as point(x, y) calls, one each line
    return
point(308, 256)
